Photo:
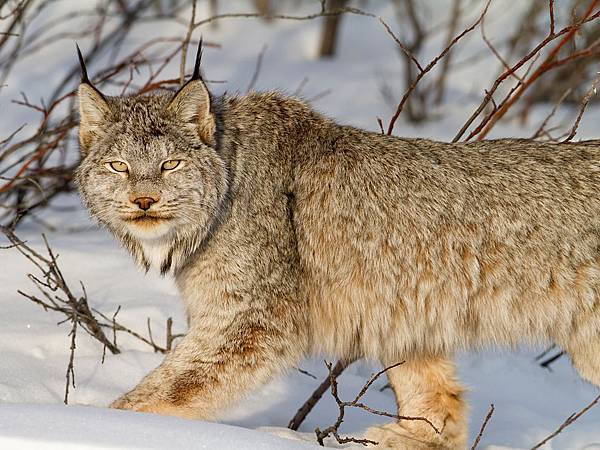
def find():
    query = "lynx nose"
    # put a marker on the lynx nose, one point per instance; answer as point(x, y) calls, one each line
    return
point(145, 202)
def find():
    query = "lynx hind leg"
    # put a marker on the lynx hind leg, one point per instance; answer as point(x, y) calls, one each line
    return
point(425, 388)
point(585, 355)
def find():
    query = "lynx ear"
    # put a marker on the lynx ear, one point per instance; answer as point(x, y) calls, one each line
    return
point(93, 115)
point(191, 104)
point(94, 111)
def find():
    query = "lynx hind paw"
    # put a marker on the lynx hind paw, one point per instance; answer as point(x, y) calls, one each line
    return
point(393, 437)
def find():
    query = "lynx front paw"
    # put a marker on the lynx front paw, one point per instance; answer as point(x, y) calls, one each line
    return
point(125, 402)
point(135, 402)
point(157, 407)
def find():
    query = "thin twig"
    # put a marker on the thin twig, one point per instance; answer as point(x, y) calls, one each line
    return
point(569, 421)
point(430, 66)
point(582, 108)
point(71, 367)
point(548, 362)
point(440, 84)
point(186, 43)
point(257, 67)
point(542, 128)
point(551, 11)
point(314, 398)
point(307, 373)
point(483, 425)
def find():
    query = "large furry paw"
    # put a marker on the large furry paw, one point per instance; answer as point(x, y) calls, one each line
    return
point(120, 403)
point(136, 402)
point(156, 407)
point(125, 402)
point(394, 437)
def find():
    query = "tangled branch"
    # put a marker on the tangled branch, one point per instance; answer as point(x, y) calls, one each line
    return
point(356, 403)
point(56, 295)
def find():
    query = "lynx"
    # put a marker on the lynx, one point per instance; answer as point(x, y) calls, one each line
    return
point(289, 235)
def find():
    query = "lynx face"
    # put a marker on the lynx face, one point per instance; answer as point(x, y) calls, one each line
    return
point(150, 172)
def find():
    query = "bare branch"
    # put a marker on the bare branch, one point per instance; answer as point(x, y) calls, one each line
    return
point(257, 68)
point(452, 27)
point(483, 425)
point(551, 10)
point(57, 296)
point(542, 128)
point(71, 367)
point(549, 62)
point(430, 66)
point(310, 403)
point(342, 405)
point(583, 106)
point(569, 421)
point(186, 43)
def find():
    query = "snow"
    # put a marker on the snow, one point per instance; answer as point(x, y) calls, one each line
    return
point(530, 401)
point(50, 427)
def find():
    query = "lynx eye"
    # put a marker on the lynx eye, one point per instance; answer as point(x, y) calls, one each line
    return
point(171, 164)
point(118, 166)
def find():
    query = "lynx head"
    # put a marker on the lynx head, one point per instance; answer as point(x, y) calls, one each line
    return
point(150, 171)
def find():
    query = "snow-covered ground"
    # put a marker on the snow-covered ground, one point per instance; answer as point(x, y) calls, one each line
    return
point(530, 401)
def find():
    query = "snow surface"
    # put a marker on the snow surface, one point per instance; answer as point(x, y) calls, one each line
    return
point(530, 401)
point(47, 427)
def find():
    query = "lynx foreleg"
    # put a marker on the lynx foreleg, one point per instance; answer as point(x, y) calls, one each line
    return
point(208, 371)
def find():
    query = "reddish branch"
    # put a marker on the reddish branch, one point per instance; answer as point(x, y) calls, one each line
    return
point(549, 63)
point(27, 180)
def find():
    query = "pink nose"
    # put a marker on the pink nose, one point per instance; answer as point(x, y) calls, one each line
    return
point(145, 202)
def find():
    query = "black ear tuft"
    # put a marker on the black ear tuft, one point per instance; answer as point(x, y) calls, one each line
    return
point(196, 75)
point(84, 75)
point(94, 110)
point(191, 104)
